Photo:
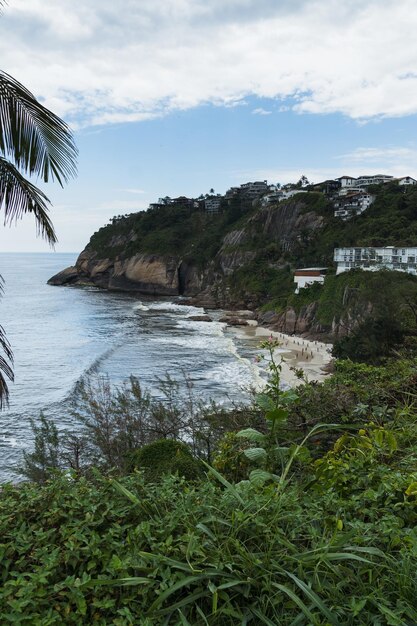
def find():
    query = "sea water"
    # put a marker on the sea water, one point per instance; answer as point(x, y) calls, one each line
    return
point(61, 335)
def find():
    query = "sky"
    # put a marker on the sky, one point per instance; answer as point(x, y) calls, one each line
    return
point(175, 97)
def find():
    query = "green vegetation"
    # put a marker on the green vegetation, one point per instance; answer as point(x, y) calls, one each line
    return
point(170, 230)
point(308, 516)
point(262, 262)
point(166, 456)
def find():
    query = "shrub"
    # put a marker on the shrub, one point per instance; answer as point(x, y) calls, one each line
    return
point(166, 456)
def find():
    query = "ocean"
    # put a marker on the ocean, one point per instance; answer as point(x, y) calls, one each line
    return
point(60, 335)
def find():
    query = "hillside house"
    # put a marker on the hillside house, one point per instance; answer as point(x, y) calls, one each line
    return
point(374, 179)
point(352, 204)
point(306, 276)
point(254, 190)
point(292, 192)
point(328, 187)
point(212, 204)
point(374, 259)
point(406, 180)
point(346, 181)
point(271, 198)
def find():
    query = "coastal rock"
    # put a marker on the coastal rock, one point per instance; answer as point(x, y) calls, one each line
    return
point(233, 321)
point(66, 277)
point(200, 318)
point(150, 274)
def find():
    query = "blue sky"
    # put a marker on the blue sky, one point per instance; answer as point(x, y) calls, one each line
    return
point(170, 97)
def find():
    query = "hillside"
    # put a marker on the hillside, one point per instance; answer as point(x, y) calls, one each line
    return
point(243, 256)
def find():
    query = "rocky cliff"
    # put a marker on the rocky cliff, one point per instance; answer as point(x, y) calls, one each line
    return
point(178, 274)
point(119, 263)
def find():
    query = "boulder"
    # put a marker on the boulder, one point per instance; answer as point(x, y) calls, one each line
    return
point(200, 318)
point(66, 277)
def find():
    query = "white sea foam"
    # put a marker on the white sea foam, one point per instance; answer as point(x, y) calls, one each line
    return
point(172, 307)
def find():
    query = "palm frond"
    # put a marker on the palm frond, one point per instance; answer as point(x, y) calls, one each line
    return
point(37, 140)
point(18, 196)
point(5, 363)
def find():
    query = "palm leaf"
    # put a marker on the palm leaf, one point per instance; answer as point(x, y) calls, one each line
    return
point(37, 140)
point(5, 367)
point(18, 196)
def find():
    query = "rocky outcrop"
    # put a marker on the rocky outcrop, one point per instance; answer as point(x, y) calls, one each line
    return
point(69, 276)
point(199, 318)
point(306, 321)
point(145, 273)
point(292, 322)
point(169, 275)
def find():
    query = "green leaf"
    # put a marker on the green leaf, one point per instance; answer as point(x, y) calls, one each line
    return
point(290, 593)
point(263, 618)
point(189, 599)
point(125, 492)
point(277, 415)
point(252, 435)
point(38, 141)
point(411, 489)
point(313, 597)
point(264, 401)
point(184, 620)
point(230, 488)
point(256, 454)
point(117, 582)
point(184, 582)
point(259, 477)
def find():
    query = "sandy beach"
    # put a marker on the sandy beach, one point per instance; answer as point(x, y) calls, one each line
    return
point(310, 356)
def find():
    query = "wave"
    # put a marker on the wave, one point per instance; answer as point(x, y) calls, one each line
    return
point(172, 307)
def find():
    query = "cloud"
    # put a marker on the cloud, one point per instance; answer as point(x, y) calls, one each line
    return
point(261, 111)
point(395, 160)
point(99, 63)
point(381, 155)
point(401, 167)
point(134, 191)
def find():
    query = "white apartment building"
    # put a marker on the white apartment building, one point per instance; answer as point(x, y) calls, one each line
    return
point(352, 204)
point(373, 259)
point(212, 205)
point(306, 276)
point(255, 189)
point(374, 179)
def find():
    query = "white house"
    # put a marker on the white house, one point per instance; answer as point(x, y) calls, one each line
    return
point(292, 192)
point(373, 259)
point(306, 276)
point(255, 189)
point(374, 179)
point(352, 204)
point(346, 181)
point(274, 196)
point(212, 205)
point(406, 180)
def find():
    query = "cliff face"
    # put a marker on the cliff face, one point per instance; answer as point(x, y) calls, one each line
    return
point(308, 320)
point(162, 274)
point(284, 226)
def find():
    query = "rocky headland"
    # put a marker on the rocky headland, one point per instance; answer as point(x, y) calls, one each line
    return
point(242, 258)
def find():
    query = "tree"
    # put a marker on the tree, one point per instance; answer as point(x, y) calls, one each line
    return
point(303, 182)
point(33, 142)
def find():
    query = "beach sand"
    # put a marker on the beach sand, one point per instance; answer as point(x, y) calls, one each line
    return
point(310, 356)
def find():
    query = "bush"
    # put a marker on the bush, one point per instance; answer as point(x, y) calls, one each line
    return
point(166, 456)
